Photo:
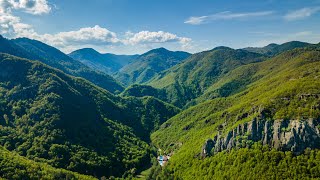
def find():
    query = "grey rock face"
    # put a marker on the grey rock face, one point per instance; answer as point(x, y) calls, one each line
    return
point(284, 135)
point(209, 144)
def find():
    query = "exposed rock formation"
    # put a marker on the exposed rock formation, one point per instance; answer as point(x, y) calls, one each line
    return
point(284, 135)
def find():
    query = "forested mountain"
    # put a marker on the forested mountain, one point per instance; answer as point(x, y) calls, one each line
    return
point(274, 49)
point(188, 80)
point(270, 129)
point(206, 75)
point(149, 64)
point(251, 113)
point(36, 50)
point(107, 63)
point(14, 166)
point(67, 122)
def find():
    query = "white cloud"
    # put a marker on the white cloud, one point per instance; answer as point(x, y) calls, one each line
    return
point(89, 35)
point(197, 20)
point(301, 13)
point(11, 24)
point(226, 15)
point(13, 27)
point(145, 37)
point(30, 6)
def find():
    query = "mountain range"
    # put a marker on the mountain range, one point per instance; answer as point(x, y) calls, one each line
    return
point(274, 49)
point(270, 127)
point(250, 113)
point(67, 122)
point(36, 50)
point(107, 63)
point(148, 65)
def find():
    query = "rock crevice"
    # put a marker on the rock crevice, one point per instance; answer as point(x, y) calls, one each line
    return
point(284, 135)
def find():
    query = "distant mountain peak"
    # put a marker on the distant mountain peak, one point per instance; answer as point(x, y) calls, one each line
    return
point(86, 50)
point(274, 49)
point(22, 38)
point(149, 64)
point(161, 49)
point(272, 45)
point(158, 50)
point(222, 48)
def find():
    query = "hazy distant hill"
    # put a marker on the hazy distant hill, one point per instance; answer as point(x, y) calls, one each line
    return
point(107, 63)
point(274, 49)
point(36, 50)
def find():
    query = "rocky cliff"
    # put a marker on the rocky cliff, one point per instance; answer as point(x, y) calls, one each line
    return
point(284, 135)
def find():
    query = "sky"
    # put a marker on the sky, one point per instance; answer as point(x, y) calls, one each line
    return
point(136, 26)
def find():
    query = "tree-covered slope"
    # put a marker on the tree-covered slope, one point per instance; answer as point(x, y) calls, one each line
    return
point(51, 117)
point(107, 63)
point(188, 80)
point(240, 78)
point(14, 166)
point(274, 49)
point(288, 93)
point(36, 50)
point(137, 90)
point(149, 64)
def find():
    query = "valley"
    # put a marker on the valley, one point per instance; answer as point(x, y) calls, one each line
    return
point(159, 90)
point(52, 117)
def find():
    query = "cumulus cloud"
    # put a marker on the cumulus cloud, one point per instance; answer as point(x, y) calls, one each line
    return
point(30, 6)
point(301, 13)
point(89, 35)
point(226, 15)
point(145, 37)
point(12, 26)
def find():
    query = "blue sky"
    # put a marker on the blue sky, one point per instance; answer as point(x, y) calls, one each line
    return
point(129, 27)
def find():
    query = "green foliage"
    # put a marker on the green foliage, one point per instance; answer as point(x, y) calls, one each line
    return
point(14, 166)
point(145, 90)
point(275, 49)
point(188, 80)
point(54, 124)
point(256, 163)
point(287, 87)
point(36, 50)
point(107, 63)
point(149, 64)
point(48, 116)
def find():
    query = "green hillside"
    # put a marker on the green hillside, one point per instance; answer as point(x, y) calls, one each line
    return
point(148, 65)
point(107, 63)
point(36, 50)
point(190, 79)
point(275, 49)
point(66, 122)
point(14, 166)
point(287, 88)
point(245, 114)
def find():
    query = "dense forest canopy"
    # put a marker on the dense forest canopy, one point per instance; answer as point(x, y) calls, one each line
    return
point(49, 116)
point(63, 117)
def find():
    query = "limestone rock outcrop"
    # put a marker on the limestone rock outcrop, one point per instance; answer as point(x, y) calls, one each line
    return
point(284, 135)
